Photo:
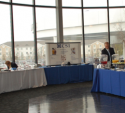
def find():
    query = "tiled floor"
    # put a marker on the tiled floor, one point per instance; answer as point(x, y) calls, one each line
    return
point(77, 100)
point(66, 98)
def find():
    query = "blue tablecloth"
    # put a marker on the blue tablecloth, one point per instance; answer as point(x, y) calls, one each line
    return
point(109, 81)
point(108, 103)
point(68, 74)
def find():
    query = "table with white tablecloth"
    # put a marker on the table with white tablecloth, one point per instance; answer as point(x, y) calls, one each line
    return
point(23, 79)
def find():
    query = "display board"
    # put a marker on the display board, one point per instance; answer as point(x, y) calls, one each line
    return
point(56, 53)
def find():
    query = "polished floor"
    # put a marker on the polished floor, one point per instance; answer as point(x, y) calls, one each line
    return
point(65, 98)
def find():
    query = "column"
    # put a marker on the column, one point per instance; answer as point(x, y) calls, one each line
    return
point(59, 21)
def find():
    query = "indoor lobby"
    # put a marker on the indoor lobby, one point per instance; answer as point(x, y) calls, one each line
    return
point(62, 56)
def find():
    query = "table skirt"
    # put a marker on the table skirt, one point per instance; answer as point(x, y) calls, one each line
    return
point(18, 80)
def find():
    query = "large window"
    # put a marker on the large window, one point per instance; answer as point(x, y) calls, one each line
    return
point(96, 32)
point(73, 3)
point(117, 2)
point(23, 1)
point(23, 35)
point(72, 27)
point(5, 0)
point(5, 34)
point(94, 20)
point(46, 30)
point(94, 3)
point(117, 30)
point(46, 2)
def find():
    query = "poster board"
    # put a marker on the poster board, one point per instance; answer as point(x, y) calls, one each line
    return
point(56, 53)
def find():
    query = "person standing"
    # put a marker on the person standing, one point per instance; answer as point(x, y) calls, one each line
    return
point(108, 51)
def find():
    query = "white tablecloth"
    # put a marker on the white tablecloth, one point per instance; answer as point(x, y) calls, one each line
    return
point(18, 80)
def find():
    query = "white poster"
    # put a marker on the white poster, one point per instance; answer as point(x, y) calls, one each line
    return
point(56, 53)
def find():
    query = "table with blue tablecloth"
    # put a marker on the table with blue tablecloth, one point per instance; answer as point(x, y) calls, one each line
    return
point(68, 74)
point(109, 81)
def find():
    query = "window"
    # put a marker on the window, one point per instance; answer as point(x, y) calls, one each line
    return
point(5, 31)
point(117, 31)
point(30, 52)
point(95, 26)
point(27, 53)
point(93, 20)
point(72, 27)
point(94, 3)
point(88, 50)
point(0, 53)
point(46, 25)
point(73, 3)
point(94, 50)
point(117, 2)
point(46, 2)
point(6, 53)
point(23, 1)
point(94, 46)
point(23, 20)
point(5, 0)
point(47, 21)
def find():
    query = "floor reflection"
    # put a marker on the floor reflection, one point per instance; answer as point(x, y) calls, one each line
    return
point(108, 103)
point(78, 100)
point(69, 101)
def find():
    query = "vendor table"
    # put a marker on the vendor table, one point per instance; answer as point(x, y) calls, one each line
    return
point(18, 80)
point(109, 81)
point(69, 74)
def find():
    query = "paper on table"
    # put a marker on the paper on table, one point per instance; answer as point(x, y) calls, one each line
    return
point(118, 70)
point(99, 66)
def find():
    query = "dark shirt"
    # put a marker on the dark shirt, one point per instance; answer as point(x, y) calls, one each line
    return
point(111, 50)
point(13, 65)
